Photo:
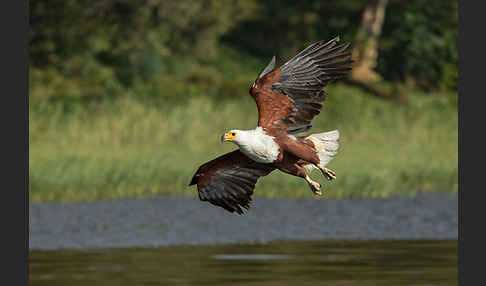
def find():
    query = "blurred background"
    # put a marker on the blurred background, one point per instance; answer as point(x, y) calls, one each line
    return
point(128, 98)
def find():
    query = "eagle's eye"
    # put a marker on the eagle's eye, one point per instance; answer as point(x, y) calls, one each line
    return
point(233, 134)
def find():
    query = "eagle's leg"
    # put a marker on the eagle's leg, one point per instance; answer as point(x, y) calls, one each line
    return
point(297, 170)
point(308, 153)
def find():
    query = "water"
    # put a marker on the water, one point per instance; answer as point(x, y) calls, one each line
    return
point(352, 263)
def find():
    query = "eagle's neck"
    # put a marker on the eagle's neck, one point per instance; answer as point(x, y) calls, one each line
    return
point(258, 145)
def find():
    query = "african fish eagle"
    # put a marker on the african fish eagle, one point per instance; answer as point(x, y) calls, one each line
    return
point(287, 98)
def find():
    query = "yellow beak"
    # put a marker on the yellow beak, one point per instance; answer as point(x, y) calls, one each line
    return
point(228, 136)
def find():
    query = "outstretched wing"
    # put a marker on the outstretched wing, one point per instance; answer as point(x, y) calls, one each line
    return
point(228, 181)
point(289, 97)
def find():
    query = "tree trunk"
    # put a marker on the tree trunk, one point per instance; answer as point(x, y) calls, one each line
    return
point(365, 52)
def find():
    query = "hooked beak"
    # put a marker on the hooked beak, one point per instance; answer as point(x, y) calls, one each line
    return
point(227, 137)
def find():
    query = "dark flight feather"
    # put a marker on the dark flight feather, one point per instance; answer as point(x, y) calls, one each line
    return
point(228, 181)
point(289, 97)
point(304, 76)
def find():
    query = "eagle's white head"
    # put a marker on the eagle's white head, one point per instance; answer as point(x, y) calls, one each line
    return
point(236, 136)
point(255, 143)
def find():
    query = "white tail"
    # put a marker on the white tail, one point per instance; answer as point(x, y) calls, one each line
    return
point(326, 145)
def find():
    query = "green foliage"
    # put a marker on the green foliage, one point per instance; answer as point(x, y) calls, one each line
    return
point(143, 146)
point(419, 43)
point(104, 46)
point(135, 39)
point(285, 27)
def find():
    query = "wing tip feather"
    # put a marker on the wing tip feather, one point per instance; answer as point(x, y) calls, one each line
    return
point(268, 68)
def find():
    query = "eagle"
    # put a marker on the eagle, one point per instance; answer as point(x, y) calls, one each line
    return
point(287, 98)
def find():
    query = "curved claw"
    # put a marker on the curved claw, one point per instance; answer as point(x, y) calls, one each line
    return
point(328, 174)
point(314, 186)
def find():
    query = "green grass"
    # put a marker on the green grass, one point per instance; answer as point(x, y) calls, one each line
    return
point(146, 146)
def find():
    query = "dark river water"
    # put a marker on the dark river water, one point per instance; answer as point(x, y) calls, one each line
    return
point(358, 262)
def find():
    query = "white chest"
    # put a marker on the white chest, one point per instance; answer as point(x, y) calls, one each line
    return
point(260, 147)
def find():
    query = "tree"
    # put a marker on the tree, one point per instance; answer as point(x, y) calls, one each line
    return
point(365, 52)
